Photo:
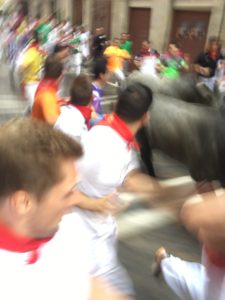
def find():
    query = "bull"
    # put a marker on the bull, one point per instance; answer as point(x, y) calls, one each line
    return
point(187, 125)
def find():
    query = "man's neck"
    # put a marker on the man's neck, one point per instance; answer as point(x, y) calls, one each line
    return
point(134, 127)
point(99, 83)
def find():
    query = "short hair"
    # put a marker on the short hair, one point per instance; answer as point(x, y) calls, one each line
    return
point(175, 43)
point(81, 90)
point(133, 102)
point(53, 67)
point(31, 153)
point(60, 47)
point(214, 39)
point(116, 40)
point(99, 67)
point(36, 36)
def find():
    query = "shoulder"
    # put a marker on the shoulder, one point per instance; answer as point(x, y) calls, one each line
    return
point(46, 96)
point(71, 116)
point(103, 139)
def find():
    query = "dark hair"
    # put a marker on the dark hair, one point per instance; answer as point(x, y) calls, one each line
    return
point(81, 90)
point(31, 153)
point(36, 36)
point(133, 102)
point(175, 43)
point(99, 67)
point(60, 47)
point(53, 67)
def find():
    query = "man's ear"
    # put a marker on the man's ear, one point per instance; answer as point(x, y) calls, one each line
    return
point(145, 119)
point(21, 202)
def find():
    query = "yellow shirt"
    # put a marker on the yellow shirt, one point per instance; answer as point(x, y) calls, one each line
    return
point(115, 57)
point(32, 63)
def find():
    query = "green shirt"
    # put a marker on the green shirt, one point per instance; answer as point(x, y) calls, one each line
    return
point(173, 67)
point(43, 30)
point(128, 45)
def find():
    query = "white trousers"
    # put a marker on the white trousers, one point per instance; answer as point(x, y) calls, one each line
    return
point(120, 78)
point(194, 281)
point(102, 232)
point(76, 62)
point(30, 90)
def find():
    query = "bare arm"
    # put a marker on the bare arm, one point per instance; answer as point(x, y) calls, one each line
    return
point(138, 182)
point(201, 70)
point(100, 291)
point(205, 217)
point(102, 205)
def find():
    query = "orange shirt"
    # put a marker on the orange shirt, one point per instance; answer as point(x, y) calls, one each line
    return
point(115, 57)
point(46, 107)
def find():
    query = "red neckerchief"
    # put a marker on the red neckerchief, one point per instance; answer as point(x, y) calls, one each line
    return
point(121, 128)
point(215, 258)
point(15, 243)
point(62, 102)
point(47, 84)
point(86, 112)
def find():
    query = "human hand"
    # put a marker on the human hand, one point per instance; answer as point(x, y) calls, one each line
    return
point(107, 205)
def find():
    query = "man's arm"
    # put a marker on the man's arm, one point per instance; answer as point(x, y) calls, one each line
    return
point(205, 217)
point(138, 182)
point(100, 291)
point(102, 205)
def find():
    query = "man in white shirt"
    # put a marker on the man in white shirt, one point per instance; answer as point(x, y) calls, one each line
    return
point(84, 43)
point(40, 258)
point(110, 162)
point(75, 116)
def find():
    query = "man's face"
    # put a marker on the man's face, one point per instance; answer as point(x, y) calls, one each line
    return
point(116, 43)
point(172, 49)
point(64, 53)
point(145, 45)
point(214, 46)
point(47, 212)
point(123, 38)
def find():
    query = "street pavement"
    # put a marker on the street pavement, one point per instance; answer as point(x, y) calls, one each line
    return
point(11, 103)
point(142, 227)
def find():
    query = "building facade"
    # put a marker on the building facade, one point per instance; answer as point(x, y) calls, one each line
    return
point(190, 22)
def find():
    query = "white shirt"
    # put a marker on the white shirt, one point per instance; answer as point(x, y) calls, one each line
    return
point(72, 122)
point(84, 43)
point(106, 162)
point(148, 66)
point(61, 272)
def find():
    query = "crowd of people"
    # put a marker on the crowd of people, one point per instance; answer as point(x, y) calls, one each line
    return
point(62, 167)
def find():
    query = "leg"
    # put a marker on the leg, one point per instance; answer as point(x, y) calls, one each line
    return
point(107, 265)
point(186, 279)
point(120, 78)
point(30, 90)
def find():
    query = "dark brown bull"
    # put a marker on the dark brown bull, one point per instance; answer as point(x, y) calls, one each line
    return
point(193, 134)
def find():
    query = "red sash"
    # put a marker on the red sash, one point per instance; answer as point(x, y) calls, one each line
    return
point(15, 243)
point(215, 258)
point(121, 128)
